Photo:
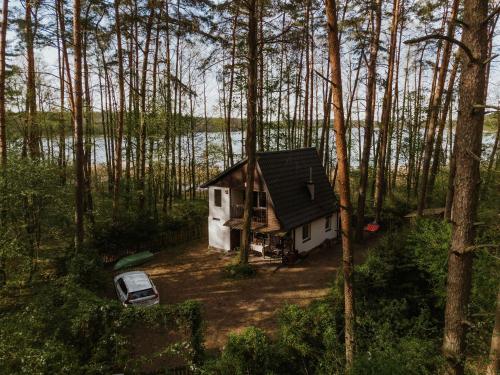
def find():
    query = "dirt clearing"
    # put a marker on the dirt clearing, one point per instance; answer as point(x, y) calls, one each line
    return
point(194, 272)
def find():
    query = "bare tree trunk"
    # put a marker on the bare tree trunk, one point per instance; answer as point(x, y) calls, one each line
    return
point(31, 119)
point(344, 189)
point(251, 125)
point(401, 122)
point(231, 85)
point(386, 116)
point(78, 126)
point(142, 128)
point(467, 153)
point(121, 108)
point(369, 115)
point(62, 124)
point(306, 92)
point(434, 110)
point(3, 40)
point(260, 96)
point(280, 83)
point(442, 124)
point(168, 114)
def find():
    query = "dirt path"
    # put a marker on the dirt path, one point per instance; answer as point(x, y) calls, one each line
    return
point(193, 272)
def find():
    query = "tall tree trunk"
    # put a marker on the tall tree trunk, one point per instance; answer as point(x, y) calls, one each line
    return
point(442, 123)
point(3, 40)
point(231, 85)
point(168, 114)
point(121, 109)
point(280, 86)
point(386, 116)
point(251, 125)
point(61, 160)
point(434, 109)
point(78, 126)
point(343, 172)
point(308, 70)
point(401, 121)
point(31, 119)
point(142, 127)
point(260, 98)
point(369, 115)
point(467, 154)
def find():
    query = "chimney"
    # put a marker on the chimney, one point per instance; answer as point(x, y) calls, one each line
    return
point(310, 183)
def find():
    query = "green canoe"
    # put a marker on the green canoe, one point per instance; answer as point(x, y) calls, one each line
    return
point(133, 260)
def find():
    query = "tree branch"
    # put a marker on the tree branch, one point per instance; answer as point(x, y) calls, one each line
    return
point(493, 14)
point(325, 78)
point(443, 37)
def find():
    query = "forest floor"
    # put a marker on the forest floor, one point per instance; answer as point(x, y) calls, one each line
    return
point(194, 272)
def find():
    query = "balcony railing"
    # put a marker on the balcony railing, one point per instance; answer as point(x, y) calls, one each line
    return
point(259, 214)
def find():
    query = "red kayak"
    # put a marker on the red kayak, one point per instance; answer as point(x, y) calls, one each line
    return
point(372, 227)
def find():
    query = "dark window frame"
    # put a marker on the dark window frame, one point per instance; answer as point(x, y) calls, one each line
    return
point(218, 197)
point(259, 199)
point(308, 231)
point(328, 223)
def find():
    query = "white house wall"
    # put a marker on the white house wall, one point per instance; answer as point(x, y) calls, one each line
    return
point(318, 234)
point(219, 236)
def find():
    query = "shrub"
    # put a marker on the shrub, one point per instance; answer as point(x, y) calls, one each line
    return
point(67, 329)
point(86, 269)
point(239, 271)
point(250, 352)
point(408, 356)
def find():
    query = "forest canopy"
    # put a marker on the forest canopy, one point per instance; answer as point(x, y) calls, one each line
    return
point(113, 113)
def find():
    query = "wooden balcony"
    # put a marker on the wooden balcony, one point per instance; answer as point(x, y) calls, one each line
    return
point(259, 214)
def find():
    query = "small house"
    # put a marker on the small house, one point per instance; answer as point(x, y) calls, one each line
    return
point(294, 206)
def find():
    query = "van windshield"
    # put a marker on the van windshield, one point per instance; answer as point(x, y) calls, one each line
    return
point(142, 294)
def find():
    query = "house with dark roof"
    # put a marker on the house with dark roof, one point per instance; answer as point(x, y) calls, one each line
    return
point(294, 205)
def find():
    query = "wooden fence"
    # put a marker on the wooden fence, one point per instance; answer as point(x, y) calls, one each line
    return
point(161, 242)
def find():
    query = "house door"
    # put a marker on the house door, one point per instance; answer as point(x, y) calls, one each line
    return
point(235, 238)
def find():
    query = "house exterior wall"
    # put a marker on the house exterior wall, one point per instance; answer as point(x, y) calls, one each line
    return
point(219, 236)
point(318, 234)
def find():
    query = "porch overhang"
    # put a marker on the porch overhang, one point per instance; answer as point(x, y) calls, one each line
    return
point(238, 224)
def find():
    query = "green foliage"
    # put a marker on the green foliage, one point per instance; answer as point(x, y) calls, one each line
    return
point(34, 209)
point(239, 271)
point(430, 242)
point(250, 352)
point(68, 329)
point(311, 336)
point(86, 269)
point(408, 356)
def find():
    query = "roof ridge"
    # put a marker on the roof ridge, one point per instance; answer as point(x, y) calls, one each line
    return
point(285, 151)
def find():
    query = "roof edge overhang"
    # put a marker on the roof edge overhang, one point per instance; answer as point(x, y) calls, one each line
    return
point(223, 174)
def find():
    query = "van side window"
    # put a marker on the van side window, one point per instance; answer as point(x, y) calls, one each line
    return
point(122, 286)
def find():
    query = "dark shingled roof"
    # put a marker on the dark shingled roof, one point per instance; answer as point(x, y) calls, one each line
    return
point(286, 174)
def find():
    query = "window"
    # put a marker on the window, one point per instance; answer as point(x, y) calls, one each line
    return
point(328, 223)
point(122, 285)
point(259, 199)
point(306, 232)
point(217, 197)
